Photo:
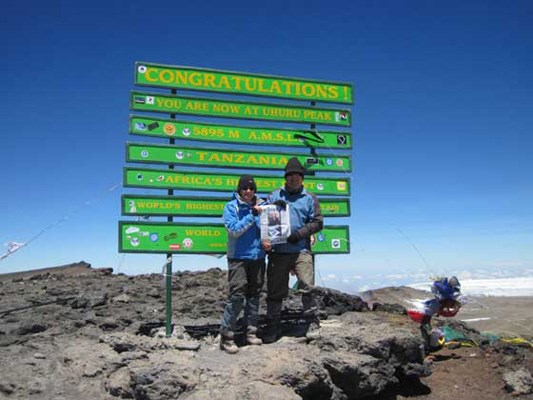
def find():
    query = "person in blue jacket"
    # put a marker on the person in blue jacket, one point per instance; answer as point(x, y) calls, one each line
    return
point(246, 264)
point(295, 255)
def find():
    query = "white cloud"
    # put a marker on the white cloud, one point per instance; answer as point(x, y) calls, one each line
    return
point(397, 276)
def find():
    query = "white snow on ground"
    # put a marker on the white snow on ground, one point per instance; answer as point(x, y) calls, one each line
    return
point(491, 287)
point(476, 319)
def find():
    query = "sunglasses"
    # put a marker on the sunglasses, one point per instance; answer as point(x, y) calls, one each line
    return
point(248, 188)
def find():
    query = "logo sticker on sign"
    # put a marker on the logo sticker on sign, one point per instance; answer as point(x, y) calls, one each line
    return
point(341, 139)
point(153, 126)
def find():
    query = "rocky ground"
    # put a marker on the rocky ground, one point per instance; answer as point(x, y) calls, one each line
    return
point(81, 333)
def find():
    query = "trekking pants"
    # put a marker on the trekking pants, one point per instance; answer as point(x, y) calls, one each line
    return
point(246, 279)
point(279, 267)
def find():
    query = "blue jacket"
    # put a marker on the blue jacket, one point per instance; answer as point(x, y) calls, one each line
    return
point(305, 215)
point(244, 232)
point(444, 291)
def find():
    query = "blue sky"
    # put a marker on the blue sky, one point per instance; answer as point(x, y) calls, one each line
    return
point(442, 123)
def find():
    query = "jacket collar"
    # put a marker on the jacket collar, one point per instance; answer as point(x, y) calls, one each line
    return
point(240, 200)
point(296, 192)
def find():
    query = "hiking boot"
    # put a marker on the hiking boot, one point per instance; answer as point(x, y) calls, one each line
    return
point(251, 336)
point(270, 338)
point(313, 331)
point(270, 334)
point(228, 346)
point(226, 342)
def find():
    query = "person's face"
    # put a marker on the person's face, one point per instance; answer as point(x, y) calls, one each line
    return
point(247, 194)
point(294, 181)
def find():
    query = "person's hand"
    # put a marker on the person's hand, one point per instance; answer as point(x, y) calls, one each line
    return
point(294, 238)
point(267, 246)
point(256, 210)
point(280, 203)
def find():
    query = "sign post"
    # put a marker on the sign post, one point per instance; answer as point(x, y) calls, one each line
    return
point(168, 269)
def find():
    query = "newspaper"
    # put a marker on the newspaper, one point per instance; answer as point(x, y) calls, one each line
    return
point(275, 224)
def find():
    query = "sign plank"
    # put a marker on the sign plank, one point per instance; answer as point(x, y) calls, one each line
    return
point(208, 157)
point(220, 133)
point(169, 179)
point(211, 80)
point(158, 102)
point(178, 238)
point(189, 206)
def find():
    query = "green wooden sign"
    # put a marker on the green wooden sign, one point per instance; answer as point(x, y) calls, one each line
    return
point(201, 79)
point(205, 157)
point(169, 179)
point(168, 128)
point(238, 109)
point(177, 238)
point(143, 205)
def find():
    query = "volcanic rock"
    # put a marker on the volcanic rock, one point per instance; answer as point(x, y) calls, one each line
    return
point(97, 335)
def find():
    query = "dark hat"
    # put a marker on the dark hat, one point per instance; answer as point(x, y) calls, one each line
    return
point(294, 166)
point(246, 181)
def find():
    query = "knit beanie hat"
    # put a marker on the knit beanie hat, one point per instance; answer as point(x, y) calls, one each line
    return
point(246, 181)
point(294, 166)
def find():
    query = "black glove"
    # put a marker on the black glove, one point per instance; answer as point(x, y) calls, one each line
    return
point(255, 212)
point(294, 238)
point(280, 203)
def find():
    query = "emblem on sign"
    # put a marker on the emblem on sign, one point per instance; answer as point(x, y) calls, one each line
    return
point(341, 186)
point(131, 230)
point(169, 129)
point(341, 116)
point(153, 126)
